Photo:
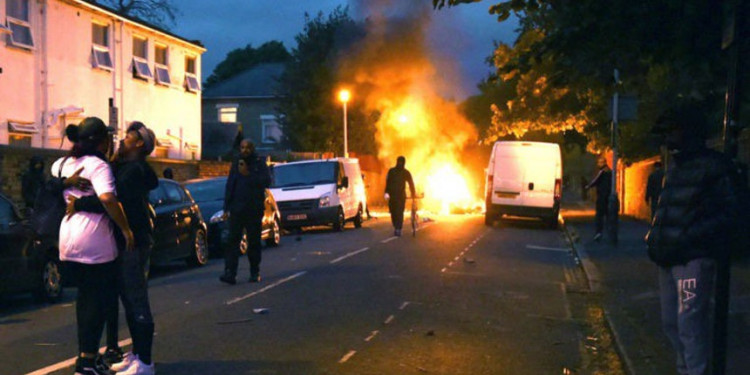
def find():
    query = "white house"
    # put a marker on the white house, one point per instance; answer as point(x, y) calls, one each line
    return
point(63, 60)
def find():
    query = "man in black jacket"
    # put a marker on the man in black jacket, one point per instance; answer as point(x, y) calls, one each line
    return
point(695, 217)
point(244, 203)
point(32, 180)
point(603, 183)
point(395, 192)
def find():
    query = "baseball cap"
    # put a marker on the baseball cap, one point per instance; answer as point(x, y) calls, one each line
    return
point(90, 129)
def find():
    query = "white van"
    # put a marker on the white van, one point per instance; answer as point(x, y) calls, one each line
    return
point(319, 192)
point(524, 179)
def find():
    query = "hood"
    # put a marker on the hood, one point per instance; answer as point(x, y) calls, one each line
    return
point(298, 193)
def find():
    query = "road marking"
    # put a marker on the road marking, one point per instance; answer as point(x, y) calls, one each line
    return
point(353, 253)
point(389, 239)
point(372, 336)
point(264, 289)
point(443, 270)
point(403, 305)
point(72, 361)
point(389, 320)
point(558, 249)
point(347, 356)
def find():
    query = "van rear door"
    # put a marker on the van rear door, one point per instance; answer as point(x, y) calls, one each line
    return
point(541, 167)
point(508, 175)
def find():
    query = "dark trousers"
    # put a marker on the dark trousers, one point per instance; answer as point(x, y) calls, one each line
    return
point(601, 214)
point(396, 207)
point(132, 288)
point(252, 225)
point(96, 285)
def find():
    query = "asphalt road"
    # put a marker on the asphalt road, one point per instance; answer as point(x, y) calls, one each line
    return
point(459, 298)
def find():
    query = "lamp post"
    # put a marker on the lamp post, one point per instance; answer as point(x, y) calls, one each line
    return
point(344, 97)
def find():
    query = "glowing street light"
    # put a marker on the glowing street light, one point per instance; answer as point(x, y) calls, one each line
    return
point(344, 97)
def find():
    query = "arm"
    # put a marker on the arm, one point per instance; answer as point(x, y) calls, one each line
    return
point(115, 211)
point(388, 182)
point(265, 176)
point(410, 180)
point(88, 203)
point(595, 181)
point(229, 189)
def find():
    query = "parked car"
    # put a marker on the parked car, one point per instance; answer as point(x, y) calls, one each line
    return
point(524, 179)
point(320, 192)
point(179, 229)
point(209, 195)
point(28, 262)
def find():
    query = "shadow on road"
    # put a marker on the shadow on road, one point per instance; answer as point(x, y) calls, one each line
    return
point(237, 367)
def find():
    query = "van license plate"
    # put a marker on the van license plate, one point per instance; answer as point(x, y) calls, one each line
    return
point(297, 217)
point(507, 195)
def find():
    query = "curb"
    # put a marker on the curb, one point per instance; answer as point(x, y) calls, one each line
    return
point(594, 280)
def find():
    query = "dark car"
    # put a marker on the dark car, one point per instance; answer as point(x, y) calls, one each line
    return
point(209, 194)
point(179, 229)
point(28, 262)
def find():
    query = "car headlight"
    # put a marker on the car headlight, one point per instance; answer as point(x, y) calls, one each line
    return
point(218, 217)
point(325, 200)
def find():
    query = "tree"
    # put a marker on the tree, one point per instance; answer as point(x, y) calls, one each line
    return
point(161, 13)
point(312, 117)
point(562, 62)
point(241, 59)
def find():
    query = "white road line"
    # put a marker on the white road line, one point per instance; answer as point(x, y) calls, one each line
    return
point(558, 249)
point(403, 305)
point(389, 239)
point(372, 336)
point(450, 264)
point(264, 289)
point(353, 253)
point(72, 361)
point(347, 356)
point(443, 270)
point(389, 320)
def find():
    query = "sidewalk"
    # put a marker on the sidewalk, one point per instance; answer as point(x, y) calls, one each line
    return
point(626, 281)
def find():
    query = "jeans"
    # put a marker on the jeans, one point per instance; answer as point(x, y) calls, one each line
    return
point(601, 215)
point(133, 291)
point(686, 292)
point(253, 225)
point(96, 291)
point(396, 207)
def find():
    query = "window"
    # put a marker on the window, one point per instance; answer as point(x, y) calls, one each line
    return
point(191, 78)
point(140, 59)
point(271, 129)
point(227, 113)
point(21, 133)
point(100, 50)
point(161, 65)
point(7, 213)
point(17, 15)
point(174, 193)
point(156, 197)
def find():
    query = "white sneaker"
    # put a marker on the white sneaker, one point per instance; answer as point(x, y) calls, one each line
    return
point(127, 360)
point(139, 368)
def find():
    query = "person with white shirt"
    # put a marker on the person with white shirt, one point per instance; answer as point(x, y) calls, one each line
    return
point(87, 243)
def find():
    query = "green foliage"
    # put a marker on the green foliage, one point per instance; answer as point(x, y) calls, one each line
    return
point(312, 117)
point(241, 59)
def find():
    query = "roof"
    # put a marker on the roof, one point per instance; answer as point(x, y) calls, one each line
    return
point(260, 81)
point(103, 8)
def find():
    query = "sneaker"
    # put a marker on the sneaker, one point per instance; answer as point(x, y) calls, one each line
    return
point(597, 237)
point(228, 278)
point(139, 368)
point(111, 356)
point(88, 367)
point(127, 360)
point(254, 278)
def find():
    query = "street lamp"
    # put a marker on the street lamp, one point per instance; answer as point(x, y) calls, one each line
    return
point(344, 97)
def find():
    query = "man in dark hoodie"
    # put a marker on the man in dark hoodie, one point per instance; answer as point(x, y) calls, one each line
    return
point(244, 204)
point(395, 193)
point(134, 179)
point(603, 183)
point(696, 216)
point(32, 180)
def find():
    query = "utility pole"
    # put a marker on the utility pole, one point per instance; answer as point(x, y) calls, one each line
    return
point(732, 40)
point(614, 201)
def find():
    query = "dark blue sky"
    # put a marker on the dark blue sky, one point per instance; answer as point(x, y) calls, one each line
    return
point(460, 38)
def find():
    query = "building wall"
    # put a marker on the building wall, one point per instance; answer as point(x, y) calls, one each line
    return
point(633, 189)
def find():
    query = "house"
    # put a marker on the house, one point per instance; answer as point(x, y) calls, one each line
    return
point(63, 60)
point(250, 99)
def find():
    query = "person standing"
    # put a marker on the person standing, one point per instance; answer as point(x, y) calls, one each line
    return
point(244, 204)
point(603, 183)
point(653, 187)
point(87, 243)
point(32, 180)
point(696, 216)
point(168, 173)
point(395, 193)
point(134, 179)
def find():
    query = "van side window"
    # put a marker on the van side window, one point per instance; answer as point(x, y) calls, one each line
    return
point(341, 174)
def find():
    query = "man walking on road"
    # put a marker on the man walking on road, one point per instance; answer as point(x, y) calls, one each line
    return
point(244, 203)
point(395, 193)
point(695, 217)
point(653, 187)
point(603, 183)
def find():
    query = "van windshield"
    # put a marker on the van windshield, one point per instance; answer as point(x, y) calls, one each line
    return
point(304, 174)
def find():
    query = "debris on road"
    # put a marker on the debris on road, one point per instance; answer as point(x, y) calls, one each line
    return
point(261, 311)
point(469, 260)
point(430, 333)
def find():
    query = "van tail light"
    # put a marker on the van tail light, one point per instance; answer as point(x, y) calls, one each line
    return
point(558, 189)
point(488, 187)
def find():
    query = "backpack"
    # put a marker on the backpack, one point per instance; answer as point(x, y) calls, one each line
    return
point(49, 206)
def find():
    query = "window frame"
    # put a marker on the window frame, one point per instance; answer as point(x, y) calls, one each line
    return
point(96, 47)
point(162, 67)
point(264, 135)
point(141, 68)
point(223, 107)
point(192, 84)
point(25, 24)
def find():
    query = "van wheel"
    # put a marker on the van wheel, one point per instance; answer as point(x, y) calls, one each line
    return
point(274, 238)
point(50, 288)
point(358, 219)
point(200, 249)
point(338, 225)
